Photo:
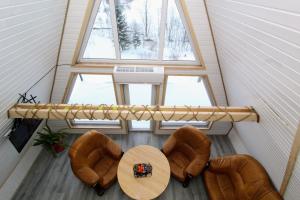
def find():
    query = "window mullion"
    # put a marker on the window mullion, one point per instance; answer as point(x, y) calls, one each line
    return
point(115, 28)
point(163, 25)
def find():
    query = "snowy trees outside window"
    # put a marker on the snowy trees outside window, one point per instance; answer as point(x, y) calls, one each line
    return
point(136, 33)
point(177, 44)
point(123, 30)
point(101, 42)
point(142, 17)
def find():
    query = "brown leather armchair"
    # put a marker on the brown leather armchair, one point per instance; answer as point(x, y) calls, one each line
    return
point(238, 177)
point(188, 151)
point(94, 160)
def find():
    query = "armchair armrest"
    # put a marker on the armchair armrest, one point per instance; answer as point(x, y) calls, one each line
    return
point(88, 176)
point(220, 165)
point(169, 145)
point(195, 167)
point(114, 149)
point(272, 195)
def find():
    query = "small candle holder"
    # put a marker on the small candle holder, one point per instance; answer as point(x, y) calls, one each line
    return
point(142, 170)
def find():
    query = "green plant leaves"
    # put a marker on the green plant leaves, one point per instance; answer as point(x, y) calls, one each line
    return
point(48, 138)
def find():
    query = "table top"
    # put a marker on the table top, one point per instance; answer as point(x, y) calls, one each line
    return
point(147, 187)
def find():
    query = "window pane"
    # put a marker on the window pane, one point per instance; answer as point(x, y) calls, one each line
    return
point(140, 94)
point(101, 42)
point(186, 90)
point(93, 89)
point(138, 24)
point(177, 44)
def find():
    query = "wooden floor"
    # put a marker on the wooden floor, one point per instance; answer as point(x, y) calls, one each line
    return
point(52, 178)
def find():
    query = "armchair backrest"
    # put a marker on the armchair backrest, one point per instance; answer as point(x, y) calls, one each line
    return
point(87, 149)
point(193, 140)
point(251, 178)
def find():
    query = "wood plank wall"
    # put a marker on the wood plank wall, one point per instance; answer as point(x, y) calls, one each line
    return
point(258, 42)
point(30, 33)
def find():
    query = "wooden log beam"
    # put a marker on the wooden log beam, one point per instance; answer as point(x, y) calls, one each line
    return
point(136, 107)
point(128, 112)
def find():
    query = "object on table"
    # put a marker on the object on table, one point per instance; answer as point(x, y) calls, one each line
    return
point(142, 170)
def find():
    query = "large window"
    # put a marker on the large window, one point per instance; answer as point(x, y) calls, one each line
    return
point(138, 31)
point(186, 91)
point(93, 89)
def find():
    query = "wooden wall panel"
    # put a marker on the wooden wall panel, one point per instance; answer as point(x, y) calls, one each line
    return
point(30, 33)
point(258, 43)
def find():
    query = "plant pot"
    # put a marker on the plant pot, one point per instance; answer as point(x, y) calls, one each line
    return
point(58, 148)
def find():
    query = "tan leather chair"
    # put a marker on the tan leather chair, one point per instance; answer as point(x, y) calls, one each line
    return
point(188, 151)
point(94, 160)
point(238, 177)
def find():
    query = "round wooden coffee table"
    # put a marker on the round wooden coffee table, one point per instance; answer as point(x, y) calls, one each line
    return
point(147, 187)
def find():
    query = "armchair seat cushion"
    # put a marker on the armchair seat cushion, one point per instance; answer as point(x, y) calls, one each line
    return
point(103, 165)
point(187, 150)
point(178, 162)
point(220, 186)
point(179, 159)
point(111, 175)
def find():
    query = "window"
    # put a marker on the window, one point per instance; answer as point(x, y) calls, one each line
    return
point(138, 31)
point(138, 28)
point(101, 41)
point(93, 89)
point(186, 90)
point(177, 43)
point(140, 94)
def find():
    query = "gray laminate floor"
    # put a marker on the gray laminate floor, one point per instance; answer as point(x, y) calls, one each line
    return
point(52, 178)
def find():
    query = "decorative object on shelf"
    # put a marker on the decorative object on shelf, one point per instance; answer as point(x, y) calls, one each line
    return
point(53, 141)
point(142, 170)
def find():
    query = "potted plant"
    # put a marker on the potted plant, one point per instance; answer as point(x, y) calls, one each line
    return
point(53, 141)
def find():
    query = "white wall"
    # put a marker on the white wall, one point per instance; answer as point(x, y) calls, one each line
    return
point(258, 42)
point(200, 24)
point(30, 33)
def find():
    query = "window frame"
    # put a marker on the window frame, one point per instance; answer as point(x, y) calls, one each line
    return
point(66, 97)
point(120, 96)
point(209, 93)
point(184, 19)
